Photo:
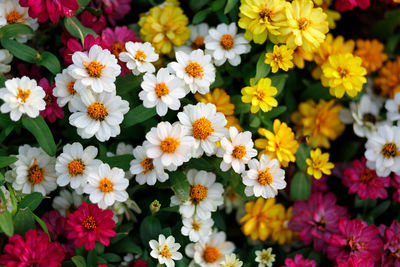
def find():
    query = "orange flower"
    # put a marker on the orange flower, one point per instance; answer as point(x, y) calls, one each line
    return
point(220, 99)
point(371, 53)
point(388, 80)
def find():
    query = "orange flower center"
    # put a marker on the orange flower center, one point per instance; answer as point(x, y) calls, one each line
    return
point(140, 56)
point(14, 17)
point(227, 41)
point(194, 69)
point(304, 23)
point(264, 177)
point(389, 150)
point(169, 145)
point(97, 111)
point(239, 152)
point(165, 252)
point(195, 226)
point(76, 167)
point(70, 88)
point(266, 14)
point(23, 94)
point(342, 72)
point(161, 89)
point(198, 43)
point(35, 174)
point(105, 185)
point(147, 165)
point(202, 128)
point(367, 175)
point(94, 69)
point(259, 94)
point(89, 223)
point(117, 48)
point(211, 254)
point(198, 193)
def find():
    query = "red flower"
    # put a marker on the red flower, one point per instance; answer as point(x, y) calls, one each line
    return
point(396, 184)
point(90, 224)
point(343, 5)
point(73, 46)
point(114, 9)
point(53, 110)
point(391, 244)
point(33, 250)
point(299, 261)
point(53, 9)
point(140, 263)
point(93, 22)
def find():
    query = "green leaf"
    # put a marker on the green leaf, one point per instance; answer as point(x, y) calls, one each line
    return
point(128, 83)
point(79, 261)
point(6, 161)
point(23, 221)
point(219, 221)
point(38, 127)
point(42, 224)
point(217, 5)
point(180, 185)
point(255, 122)
point(76, 29)
point(7, 125)
point(237, 183)
point(6, 223)
point(275, 112)
point(300, 188)
point(262, 69)
point(126, 245)
point(11, 30)
point(20, 51)
point(385, 28)
point(92, 258)
point(31, 201)
point(303, 152)
point(200, 164)
point(50, 62)
point(230, 5)
point(380, 209)
point(137, 115)
point(315, 91)
point(201, 16)
point(120, 161)
point(150, 228)
point(196, 5)
point(111, 257)
point(279, 80)
point(240, 107)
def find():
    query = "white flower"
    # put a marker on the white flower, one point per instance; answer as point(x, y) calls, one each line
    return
point(162, 91)
point(8, 203)
point(265, 257)
point(236, 151)
point(383, 150)
point(205, 124)
point(144, 169)
point(5, 59)
point(165, 250)
point(12, 13)
point(205, 195)
point(210, 252)
point(22, 96)
point(99, 115)
point(67, 202)
point(169, 145)
point(75, 163)
point(196, 228)
point(122, 149)
point(127, 259)
point(106, 185)
point(195, 69)
point(231, 261)
point(264, 178)
point(125, 209)
point(65, 90)
point(198, 34)
point(139, 57)
point(34, 171)
point(224, 43)
point(392, 107)
point(96, 70)
point(232, 200)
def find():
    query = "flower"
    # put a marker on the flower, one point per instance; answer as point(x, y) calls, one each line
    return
point(64, 90)
point(364, 181)
point(318, 164)
point(231, 261)
point(90, 224)
point(22, 96)
point(299, 56)
point(371, 53)
point(344, 5)
point(280, 58)
point(224, 43)
point(73, 45)
point(299, 261)
point(220, 99)
point(332, 15)
point(96, 23)
point(210, 252)
point(236, 151)
point(5, 59)
point(33, 249)
point(99, 115)
point(195, 69)
point(205, 124)
point(392, 107)
point(164, 27)
point(282, 234)
point(196, 228)
point(305, 25)
point(263, 178)
point(232, 200)
point(162, 91)
point(6, 203)
point(260, 95)
point(391, 243)
point(281, 144)
point(67, 202)
point(395, 182)
point(261, 19)
point(264, 257)
point(388, 80)
point(343, 73)
point(53, 110)
point(233, 121)
point(165, 250)
point(115, 9)
point(169, 145)
point(198, 33)
point(53, 9)
point(320, 121)
point(139, 57)
point(96, 70)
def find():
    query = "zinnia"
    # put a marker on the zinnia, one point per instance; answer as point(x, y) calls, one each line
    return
point(52, 110)
point(53, 9)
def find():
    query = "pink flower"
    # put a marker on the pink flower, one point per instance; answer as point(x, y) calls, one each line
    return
point(33, 250)
point(31, 70)
point(93, 22)
point(363, 181)
point(53, 110)
point(343, 5)
point(90, 224)
point(317, 219)
point(73, 46)
point(355, 240)
point(396, 184)
point(319, 185)
point(53, 9)
point(140, 263)
point(299, 261)
point(114, 9)
point(391, 244)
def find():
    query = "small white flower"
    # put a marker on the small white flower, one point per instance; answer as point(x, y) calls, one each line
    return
point(106, 185)
point(196, 228)
point(122, 149)
point(205, 124)
point(165, 250)
point(96, 70)
point(8, 203)
point(5, 59)
point(65, 90)
point(231, 261)
point(224, 43)
point(198, 34)
point(139, 57)
point(125, 209)
point(127, 259)
point(265, 258)
point(195, 69)
point(232, 200)
point(392, 106)
point(236, 151)
point(162, 91)
point(99, 115)
point(22, 96)
point(67, 202)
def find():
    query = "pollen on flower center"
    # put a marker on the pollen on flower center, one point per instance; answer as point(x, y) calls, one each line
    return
point(161, 89)
point(140, 56)
point(266, 14)
point(198, 193)
point(389, 150)
point(23, 94)
point(70, 88)
point(147, 165)
point(76, 167)
point(195, 226)
point(211, 254)
point(202, 128)
point(259, 94)
point(343, 73)
point(239, 152)
point(304, 23)
point(367, 175)
point(265, 257)
point(194, 69)
point(105, 185)
point(35, 174)
point(264, 177)
point(227, 41)
point(117, 48)
point(198, 43)
point(165, 252)
point(169, 145)
point(89, 223)
point(14, 17)
point(94, 69)
point(97, 111)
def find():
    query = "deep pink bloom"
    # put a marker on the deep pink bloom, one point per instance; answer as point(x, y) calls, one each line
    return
point(102, 265)
point(97, 24)
point(299, 261)
point(74, 45)
point(30, 70)
point(53, 9)
point(355, 240)
point(140, 263)
point(391, 244)
point(90, 224)
point(364, 181)
point(114, 9)
point(53, 110)
point(343, 5)
point(319, 185)
point(317, 219)
point(33, 250)
point(396, 184)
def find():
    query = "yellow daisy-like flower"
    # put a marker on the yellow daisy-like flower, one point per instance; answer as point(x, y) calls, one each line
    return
point(260, 95)
point(299, 56)
point(319, 164)
point(305, 25)
point(280, 58)
point(164, 27)
point(220, 99)
point(343, 74)
point(320, 122)
point(281, 144)
point(371, 53)
point(284, 235)
point(261, 19)
point(388, 80)
point(332, 14)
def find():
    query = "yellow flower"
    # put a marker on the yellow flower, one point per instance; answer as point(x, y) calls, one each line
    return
point(284, 235)
point(332, 14)
point(164, 27)
point(281, 144)
point(220, 99)
point(318, 121)
point(388, 80)
point(280, 58)
point(305, 26)
point(233, 121)
point(299, 56)
point(371, 53)
point(343, 73)
point(260, 95)
point(318, 164)
point(261, 19)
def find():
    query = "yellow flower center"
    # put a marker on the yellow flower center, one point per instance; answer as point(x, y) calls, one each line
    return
point(239, 152)
point(117, 48)
point(89, 223)
point(343, 72)
point(227, 42)
point(195, 226)
point(259, 94)
point(194, 69)
point(277, 57)
point(94, 69)
point(35, 174)
point(14, 17)
point(198, 43)
point(76, 167)
point(266, 14)
point(202, 128)
point(97, 111)
point(23, 94)
point(140, 56)
point(389, 150)
point(304, 23)
point(105, 185)
point(70, 88)
point(264, 177)
point(211, 254)
point(265, 258)
point(165, 252)
point(147, 165)
point(169, 145)
point(161, 89)
point(367, 175)
point(198, 193)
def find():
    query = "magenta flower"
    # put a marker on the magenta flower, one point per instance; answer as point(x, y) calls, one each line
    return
point(364, 181)
point(53, 110)
point(391, 244)
point(114, 9)
point(396, 184)
point(73, 46)
point(97, 24)
point(317, 219)
point(53, 9)
point(299, 261)
point(319, 185)
point(343, 5)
